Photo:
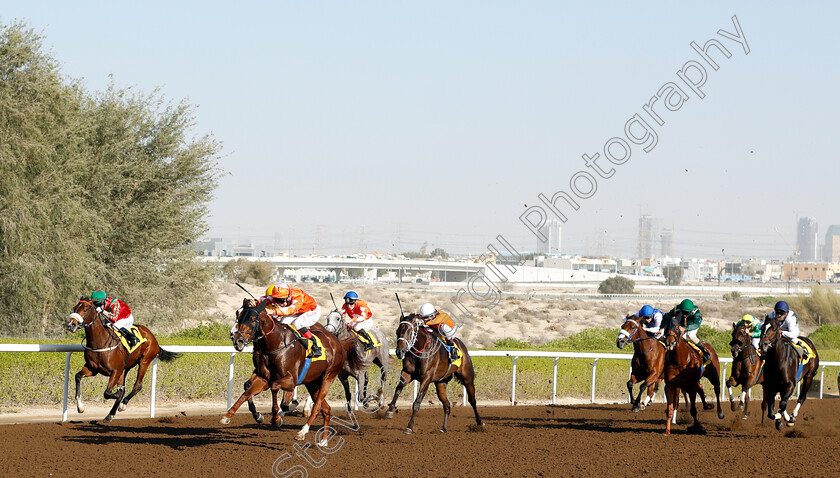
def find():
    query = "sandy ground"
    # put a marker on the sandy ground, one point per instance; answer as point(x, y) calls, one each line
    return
point(520, 313)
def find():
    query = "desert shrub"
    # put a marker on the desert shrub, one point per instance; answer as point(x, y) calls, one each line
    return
point(243, 270)
point(734, 295)
point(616, 285)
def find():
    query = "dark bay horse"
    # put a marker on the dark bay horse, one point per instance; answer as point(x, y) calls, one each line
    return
point(683, 370)
point(104, 354)
point(358, 361)
point(746, 367)
point(782, 370)
point(281, 364)
point(424, 359)
point(648, 360)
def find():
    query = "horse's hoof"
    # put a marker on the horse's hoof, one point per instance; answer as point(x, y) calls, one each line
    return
point(733, 406)
point(300, 436)
point(778, 424)
point(259, 418)
point(323, 443)
point(122, 407)
point(111, 417)
point(741, 406)
point(277, 423)
point(666, 433)
point(224, 421)
point(744, 417)
point(408, 431)
point(389, 414)
point(635, 409)
point(720, 414)
point(708, 406)
point(80, 407)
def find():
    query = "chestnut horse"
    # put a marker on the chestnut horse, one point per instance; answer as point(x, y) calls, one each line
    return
point(683, 370)
point(746, 367)
point(426, 360)
point(282, 363)
point(782, 369)
point(104, 354)
point(648, 360)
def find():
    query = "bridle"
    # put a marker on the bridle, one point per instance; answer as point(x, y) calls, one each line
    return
point(742, 344)
point(87, 321)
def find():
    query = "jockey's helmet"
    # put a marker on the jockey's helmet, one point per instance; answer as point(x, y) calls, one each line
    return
point(426, 310)
point(98, 295)
point(351, 296)
point(781, 307)
point(686, 306)
point(279, 291)
point(647, 311)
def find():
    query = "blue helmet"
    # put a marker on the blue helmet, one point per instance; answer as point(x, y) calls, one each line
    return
point(781, 305)
point(647, 311)
point(351, 295)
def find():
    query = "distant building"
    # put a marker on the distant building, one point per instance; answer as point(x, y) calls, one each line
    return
point(831, 249)
point(666, 243)
point(806, 240)
point(552, 230)
point(645, 242)
point(804, 271)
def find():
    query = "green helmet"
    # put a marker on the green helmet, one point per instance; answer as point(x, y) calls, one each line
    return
point(98, 294)
point(686, 305)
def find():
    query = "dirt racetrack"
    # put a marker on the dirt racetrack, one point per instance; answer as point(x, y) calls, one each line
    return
point(579, 440)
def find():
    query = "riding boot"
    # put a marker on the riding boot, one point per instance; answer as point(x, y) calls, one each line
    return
point(307, 335)
point(706, 355)
point(129, 337)
point(453, 350)
point(366, 335)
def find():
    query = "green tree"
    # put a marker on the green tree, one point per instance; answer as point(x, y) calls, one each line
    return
point(96, 190)
point(616, 285)
point(439, 253)
point(673, 274)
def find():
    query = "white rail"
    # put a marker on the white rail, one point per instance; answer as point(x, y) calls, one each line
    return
point(514, 354)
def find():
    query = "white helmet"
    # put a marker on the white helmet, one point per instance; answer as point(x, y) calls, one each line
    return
point(426, 310)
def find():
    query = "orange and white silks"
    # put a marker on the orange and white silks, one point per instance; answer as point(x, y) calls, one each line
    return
point(440, 318)
point(358, 315)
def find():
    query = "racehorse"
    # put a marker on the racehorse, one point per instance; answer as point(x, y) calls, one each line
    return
point(648, 360)
point(426, 360)
point(358, 360)
point(104, 354)
point(282, 364)
point(746, 367)
point(648, 364)
point(782, 370)
point(683, 370)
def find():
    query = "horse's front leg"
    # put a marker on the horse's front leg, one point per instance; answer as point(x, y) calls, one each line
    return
point(404, 379)
point(671, 397)
point(730, 382)
point(258, 385)
point(784, 396)
point(276, 416)
point(84, 372)
point(252, 407)
point(424, 386)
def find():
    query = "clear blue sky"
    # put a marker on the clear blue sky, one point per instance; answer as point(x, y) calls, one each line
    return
point(443, 119)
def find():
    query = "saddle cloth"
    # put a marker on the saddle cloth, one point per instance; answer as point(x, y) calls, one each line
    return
point(376, 343)
point(699, 352)
point(309, 345)
point(140, 339)
point(808, 355)
point(457, 362)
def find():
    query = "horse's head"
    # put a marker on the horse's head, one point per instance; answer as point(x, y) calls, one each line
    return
point(335, 323)
point(407, 334)
point(82, 316)
point(673, 332)
point(630, 331)
point(770, 334)
point(247, 326)
point(740, 338)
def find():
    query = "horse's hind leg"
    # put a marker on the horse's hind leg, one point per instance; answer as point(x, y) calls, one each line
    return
point(138, 383)
point(116, 390)
point(471, 397)
point(441, 393)
point(84, 372)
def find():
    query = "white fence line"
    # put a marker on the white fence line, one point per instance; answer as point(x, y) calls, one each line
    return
point(514, 354)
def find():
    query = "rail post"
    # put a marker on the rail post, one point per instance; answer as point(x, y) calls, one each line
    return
point(154, 389)
point(554, 383)
point(822, 378)
point(66, 386)
point(723, 376)
point(464, 399)
point(594, 366)
point(513, 384)
point(416, 385)
point(230, 380)
point(356, 396)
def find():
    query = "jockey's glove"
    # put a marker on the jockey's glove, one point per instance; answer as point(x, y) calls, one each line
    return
point(99, 309)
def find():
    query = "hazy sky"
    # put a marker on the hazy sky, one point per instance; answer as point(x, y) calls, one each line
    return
point(439, 121)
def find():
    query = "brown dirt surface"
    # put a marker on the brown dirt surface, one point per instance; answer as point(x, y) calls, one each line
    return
point(570, 440)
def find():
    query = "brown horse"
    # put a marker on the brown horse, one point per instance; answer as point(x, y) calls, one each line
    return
point(648, 360)
point(683, 370)
point(746, 367)
point(282, 364)
point(426, 360)
point(104, 354)
point(782, 369)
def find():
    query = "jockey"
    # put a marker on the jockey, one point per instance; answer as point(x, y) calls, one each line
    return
point(295, 307)
point(788, 324)
point(357, 316)
point(651, 320)
point(754, 326)
point(443, 323)
point(689, 317)
point(117, 312)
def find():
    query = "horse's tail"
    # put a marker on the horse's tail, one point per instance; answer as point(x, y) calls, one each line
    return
point(167, 356)
point(354, 361)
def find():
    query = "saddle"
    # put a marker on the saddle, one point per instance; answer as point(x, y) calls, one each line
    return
point(373, 341)
point(309, 344)
point(140, 339)
point(440, 339)
point(699, 352)
point(804, 350)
